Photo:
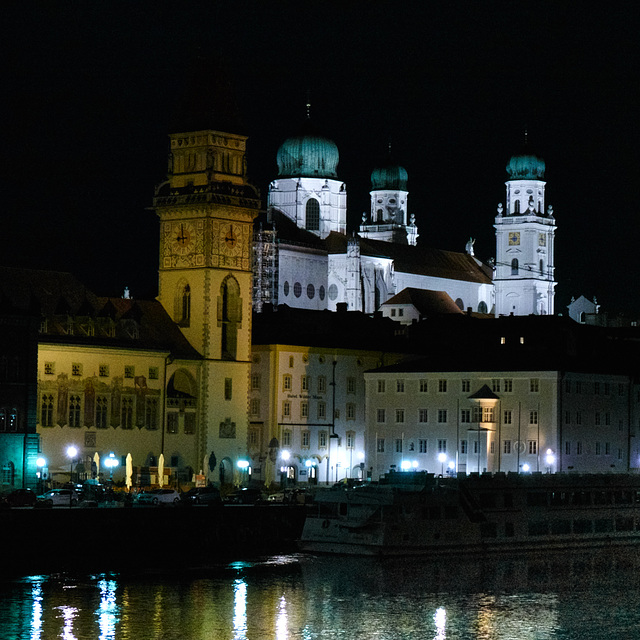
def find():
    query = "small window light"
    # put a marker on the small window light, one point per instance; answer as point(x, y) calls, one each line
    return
point(503, 340)
point(521, 339)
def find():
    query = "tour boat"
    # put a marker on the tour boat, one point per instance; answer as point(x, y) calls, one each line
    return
point(415, 513)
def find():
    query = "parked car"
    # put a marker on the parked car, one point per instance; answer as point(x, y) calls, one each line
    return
point(202, 495)
point(245, 496)
point(159, 496)
point(59, 498)
point(290, 496)
point(20, 498)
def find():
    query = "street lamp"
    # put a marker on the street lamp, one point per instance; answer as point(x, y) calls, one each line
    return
point(442, 458)
point(550, 460)
point(243, 465)
point(72, 452)
point(41, 463)
point(111, 463)
point(285, 455)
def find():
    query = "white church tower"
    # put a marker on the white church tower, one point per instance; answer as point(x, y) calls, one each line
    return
point(307, 190)
point(524, 274)
point(389, 196)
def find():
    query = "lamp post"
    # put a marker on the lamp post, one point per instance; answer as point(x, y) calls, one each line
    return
point(41, 463)
point(243, 465)
point(285, 455)
point(72, 452)
point(111, 463)
point(550, 459)
point(442, 458)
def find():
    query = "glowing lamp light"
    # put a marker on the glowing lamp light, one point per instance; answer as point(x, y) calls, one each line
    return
point(309, 463)
point(442, 457)
point(406, 465)
point(452, 464)
point(526, 467)
point(242, 464)
point(550, 457)
point(41, 462)
point(361, 455)
point(285, 455)
point(414, 464)
point(72, 452)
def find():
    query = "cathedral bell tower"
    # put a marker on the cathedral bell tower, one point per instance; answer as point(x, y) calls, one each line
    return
point(206, 209)
point(388, 218)
point(525, 242)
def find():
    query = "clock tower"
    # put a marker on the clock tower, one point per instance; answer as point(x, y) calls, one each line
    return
point(525, 238)
point(206, 209)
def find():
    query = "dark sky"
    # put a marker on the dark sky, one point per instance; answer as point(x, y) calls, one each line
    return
point(91, 90)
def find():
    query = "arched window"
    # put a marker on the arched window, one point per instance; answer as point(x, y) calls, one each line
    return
point(182, 304)
point(229, 317)
point(482, 307)
point(313, 215)
point(460, 304)
point(514, 267)
point(516, 206)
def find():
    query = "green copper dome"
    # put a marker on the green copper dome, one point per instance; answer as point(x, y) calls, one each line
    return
point(526, 166)
point(308, 155)
point(391, 177)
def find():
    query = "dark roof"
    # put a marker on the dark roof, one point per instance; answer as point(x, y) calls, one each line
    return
point(61, 299)
point(428, 303)
point(420, 260)
point(524, 343)
point(339, 329)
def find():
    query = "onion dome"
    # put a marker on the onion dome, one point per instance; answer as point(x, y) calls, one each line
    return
point(526, 165)
point(308, 155)
point(391, 177)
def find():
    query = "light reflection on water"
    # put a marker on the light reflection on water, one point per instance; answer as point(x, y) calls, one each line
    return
point(568, 597)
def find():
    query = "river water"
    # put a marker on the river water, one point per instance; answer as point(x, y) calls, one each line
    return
point(572, 596)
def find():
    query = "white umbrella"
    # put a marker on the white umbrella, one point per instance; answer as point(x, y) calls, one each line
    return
point(129, 471)
point(161, 470)
point(96, 460)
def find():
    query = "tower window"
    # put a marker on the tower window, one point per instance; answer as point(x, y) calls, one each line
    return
point(514, 267)
point(313, 215)
point(229, 316)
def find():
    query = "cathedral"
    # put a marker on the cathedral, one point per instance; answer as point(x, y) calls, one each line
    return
point(171, 388)
point(305, 257)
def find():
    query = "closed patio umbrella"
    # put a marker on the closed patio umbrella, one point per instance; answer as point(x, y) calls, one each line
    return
point(161, 470)
point(129, 471)
point(96, 461)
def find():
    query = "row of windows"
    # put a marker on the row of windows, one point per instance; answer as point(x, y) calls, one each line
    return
point(599, 449)
point(465, 447)
point(323, 439)
point(321, 410)
point(306, 383)
point(498, 385)
point(476, 414)
point(599, 418)
point(103, 370)
point(604, 388)
point(311, 290)
point(103, 413)
point(9, 419)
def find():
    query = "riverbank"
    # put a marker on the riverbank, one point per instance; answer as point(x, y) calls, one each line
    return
point(46, 540)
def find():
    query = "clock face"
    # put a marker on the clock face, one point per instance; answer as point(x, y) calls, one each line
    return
point(183, 238)
point(542, 240)
point(514, 238)
point(230, 239)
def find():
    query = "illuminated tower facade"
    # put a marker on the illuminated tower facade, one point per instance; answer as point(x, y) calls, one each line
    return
point(525, 242)
point(206, 209)
point(307, 190)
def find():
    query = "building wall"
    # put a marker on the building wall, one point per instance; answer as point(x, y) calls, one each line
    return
point(584, 431)
point(302, 278)
point(301, 414)
point(68, 375)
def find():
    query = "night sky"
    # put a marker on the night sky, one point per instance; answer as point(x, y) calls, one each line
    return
point(91, 90)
